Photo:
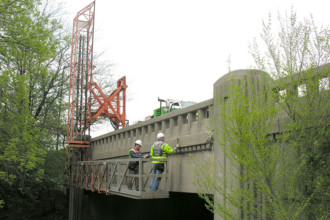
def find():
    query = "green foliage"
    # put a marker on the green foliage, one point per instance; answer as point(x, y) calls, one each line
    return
point(273, 131)
point(55, 168)
point(33, 84)
point(298, 57)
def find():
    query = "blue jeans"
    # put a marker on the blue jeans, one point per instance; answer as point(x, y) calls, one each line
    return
point(155, 180)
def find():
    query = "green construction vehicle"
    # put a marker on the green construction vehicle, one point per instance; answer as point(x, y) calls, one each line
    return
point(169, 105)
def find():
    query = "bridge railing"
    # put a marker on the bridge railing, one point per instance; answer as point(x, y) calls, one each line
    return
point(113, 177)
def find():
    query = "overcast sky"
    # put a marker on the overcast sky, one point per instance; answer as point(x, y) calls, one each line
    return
point(177, 49)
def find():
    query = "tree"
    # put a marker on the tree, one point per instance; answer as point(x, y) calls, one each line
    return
point(34, 72)
point(301, 65)
point(273, 131)
point(27, 43)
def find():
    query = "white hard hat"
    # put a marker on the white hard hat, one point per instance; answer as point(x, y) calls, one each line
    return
point(139, 142)
point(160, 135)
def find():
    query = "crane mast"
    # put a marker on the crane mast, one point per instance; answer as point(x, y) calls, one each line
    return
point(86, 100)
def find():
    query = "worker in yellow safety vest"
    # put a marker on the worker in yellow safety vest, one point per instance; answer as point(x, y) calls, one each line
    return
point(133, 166)
point(159, 150)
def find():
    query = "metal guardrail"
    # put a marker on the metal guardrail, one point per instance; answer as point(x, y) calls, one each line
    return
point(112, 177)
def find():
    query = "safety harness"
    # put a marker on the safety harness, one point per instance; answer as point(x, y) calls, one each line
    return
point(159, 148)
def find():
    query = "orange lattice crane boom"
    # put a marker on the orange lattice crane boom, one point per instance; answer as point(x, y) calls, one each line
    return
point(86, 100)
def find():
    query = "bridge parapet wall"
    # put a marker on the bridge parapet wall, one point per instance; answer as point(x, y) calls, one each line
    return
point(190, 126)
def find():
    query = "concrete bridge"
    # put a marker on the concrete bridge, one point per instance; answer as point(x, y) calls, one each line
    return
point(191, 129)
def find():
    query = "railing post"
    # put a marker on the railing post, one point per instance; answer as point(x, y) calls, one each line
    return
point(98, 178)
point(118, 173)
point(93, 180)
point(83, 177)
point(166, 172)
point(140, 175)
point(107, 167)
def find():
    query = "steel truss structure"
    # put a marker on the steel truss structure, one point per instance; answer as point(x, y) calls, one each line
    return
point(85, 95)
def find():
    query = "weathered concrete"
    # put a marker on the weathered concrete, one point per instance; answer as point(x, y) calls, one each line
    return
point(192, 128)
point(221, 163)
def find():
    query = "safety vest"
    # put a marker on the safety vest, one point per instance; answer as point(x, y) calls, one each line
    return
point(159, 151)
point(136, 151)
